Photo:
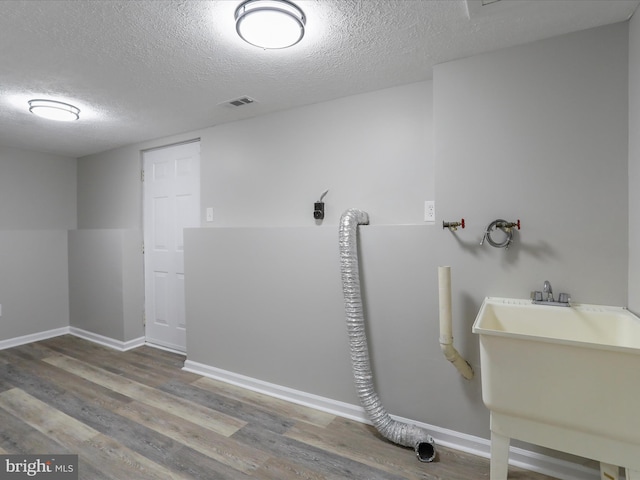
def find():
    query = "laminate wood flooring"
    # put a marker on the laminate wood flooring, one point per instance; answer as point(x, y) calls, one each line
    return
point(136, 415)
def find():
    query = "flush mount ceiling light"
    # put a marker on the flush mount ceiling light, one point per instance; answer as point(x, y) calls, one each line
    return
point(270, 24)
point(54, 110)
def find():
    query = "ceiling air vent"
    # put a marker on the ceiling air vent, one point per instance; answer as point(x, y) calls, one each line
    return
point(238, 102)
point(488, 8)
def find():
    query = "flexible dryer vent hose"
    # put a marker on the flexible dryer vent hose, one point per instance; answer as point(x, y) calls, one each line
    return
point(401, 433)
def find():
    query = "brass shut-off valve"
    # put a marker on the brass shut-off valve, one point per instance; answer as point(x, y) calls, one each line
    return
point(453, 226)
point(507, 226)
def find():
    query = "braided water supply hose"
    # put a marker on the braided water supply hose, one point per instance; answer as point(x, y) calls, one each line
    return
point(398, 432)
point(506, 227)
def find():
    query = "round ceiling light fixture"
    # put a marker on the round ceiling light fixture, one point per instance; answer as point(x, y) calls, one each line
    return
point(270, 24)
point(54, 110)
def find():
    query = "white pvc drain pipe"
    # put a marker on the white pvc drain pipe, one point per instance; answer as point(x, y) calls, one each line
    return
point(446, 324)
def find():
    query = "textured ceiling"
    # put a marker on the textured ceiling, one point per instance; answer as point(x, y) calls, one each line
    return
point(146, 69)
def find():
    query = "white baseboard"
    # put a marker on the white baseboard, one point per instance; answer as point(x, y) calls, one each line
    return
point(35, 337)
point(519, 457)
point(106, 341)
point(78, 332)
point(324, 404)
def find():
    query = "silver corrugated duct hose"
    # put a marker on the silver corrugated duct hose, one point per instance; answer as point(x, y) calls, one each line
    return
point(398, 432)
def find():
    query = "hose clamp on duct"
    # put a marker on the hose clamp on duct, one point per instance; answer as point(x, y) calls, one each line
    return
point(398, 432)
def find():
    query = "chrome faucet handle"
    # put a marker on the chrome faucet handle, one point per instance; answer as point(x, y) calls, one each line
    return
point(536, 296)
point(564, 298)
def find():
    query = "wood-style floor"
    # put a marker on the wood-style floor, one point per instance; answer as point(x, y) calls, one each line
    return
point(137, 415)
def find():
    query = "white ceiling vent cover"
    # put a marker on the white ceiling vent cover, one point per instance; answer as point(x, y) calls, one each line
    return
point(488, 8)
point(239, 102)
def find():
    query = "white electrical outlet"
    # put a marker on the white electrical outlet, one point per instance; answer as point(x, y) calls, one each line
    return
point(209, 214)
point(430, 211)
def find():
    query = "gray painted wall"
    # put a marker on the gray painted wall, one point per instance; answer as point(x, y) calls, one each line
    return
point(34, 290)
point(634, 164)
point(533, 132)
point(105, 280)
point(109, 210)
point(536, 132)
point(372, 150)
point(267, 303)
point(37, 191)
point(95, 281)
point(109, 190)
point(37, 207)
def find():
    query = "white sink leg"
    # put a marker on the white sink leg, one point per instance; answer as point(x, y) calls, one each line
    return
point(609, 472)
point(499, 464)
point(633, 474)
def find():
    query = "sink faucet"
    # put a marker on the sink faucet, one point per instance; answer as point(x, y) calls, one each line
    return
point(545, 297)
point(547, 291)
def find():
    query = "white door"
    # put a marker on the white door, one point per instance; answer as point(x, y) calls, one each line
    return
point(171, 203)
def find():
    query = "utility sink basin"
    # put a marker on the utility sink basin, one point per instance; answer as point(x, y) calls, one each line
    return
point(567, 378)
point(594, 325)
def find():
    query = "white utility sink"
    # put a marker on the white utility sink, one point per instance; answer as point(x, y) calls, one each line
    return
point(567, 378)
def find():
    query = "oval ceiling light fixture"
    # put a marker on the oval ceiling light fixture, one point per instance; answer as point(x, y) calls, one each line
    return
point(270, 24)
point(54, 110)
